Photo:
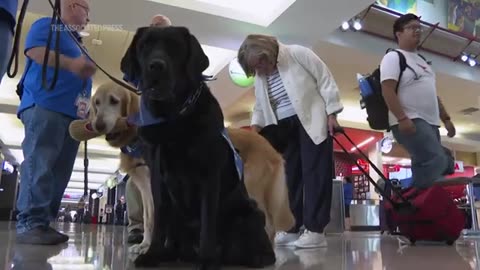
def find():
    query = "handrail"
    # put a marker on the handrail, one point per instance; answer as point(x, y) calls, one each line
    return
point(469, 38)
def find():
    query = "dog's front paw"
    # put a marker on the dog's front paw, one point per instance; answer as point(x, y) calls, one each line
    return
point(153, 258)
point(208, 266)
point(146, 260)
point(141, 248)
point(262, 260)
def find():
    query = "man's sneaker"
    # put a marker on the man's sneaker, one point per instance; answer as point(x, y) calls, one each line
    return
point(135, 236)
point(311, 240)
point(41, 236)
point(64, 237)
point(284, 239)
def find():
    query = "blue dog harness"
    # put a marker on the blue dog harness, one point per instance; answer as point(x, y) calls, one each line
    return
point(236, 156)
point(145, 118)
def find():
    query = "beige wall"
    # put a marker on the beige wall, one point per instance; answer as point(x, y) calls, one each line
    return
point(467, 158)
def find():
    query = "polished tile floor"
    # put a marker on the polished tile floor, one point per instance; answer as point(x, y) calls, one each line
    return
point(103, 247)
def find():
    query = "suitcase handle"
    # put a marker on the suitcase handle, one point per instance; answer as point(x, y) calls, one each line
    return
point(405, 203)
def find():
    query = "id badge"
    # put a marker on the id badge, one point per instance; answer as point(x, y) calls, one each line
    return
point(83, 105)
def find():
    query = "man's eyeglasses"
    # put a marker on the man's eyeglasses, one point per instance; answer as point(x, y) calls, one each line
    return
point(414, 28)
point(87, 10)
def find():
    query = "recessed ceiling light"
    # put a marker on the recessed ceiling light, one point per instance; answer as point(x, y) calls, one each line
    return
point(472, 62)
point(357, 25)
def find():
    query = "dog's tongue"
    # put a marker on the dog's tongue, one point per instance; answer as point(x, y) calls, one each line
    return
point(89, 127)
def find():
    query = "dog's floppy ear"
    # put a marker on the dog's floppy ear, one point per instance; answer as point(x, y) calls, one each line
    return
point(129, 64)
point(130, 103)
point(92, 112)
point(197, 60)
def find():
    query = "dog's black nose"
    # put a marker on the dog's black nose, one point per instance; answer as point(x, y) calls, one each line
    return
point(100, 126)
point(157, 65)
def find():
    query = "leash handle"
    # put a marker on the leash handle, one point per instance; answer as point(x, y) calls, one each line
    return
point(16, 42)
point(53, 27)
point(374, 167)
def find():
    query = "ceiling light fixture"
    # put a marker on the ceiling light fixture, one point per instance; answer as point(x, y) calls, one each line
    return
point(357, 25)
point(470, 59)
point(472, 62)
point(353, 24)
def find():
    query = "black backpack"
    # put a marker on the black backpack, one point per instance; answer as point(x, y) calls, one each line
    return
point(377, 110)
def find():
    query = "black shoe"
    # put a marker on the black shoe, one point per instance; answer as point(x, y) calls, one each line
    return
point(41, 236)
point(62, 236)
point(135, 236)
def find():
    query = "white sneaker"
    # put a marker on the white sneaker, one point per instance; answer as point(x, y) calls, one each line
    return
point(284, 239)
point(311, 240)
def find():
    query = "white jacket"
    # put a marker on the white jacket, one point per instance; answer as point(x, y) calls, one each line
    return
point(310, 86)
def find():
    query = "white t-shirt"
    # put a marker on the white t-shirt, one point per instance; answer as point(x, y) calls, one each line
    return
point(417, 94)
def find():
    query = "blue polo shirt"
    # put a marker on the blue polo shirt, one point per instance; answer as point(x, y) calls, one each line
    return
point(69, 87)
point(8, 12)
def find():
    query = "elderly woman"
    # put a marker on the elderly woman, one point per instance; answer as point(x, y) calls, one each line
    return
point(297, 101)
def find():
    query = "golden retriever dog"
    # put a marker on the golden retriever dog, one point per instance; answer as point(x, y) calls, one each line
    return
point(109, 103)
point(264, 178)
point(264, 172)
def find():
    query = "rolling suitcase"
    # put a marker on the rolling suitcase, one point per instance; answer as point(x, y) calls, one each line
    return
point(421, 215)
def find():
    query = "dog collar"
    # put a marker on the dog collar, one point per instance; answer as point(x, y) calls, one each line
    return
point(133, 149)
point(145, 118)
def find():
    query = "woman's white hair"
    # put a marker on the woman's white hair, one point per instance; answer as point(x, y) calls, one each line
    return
point(262, 46)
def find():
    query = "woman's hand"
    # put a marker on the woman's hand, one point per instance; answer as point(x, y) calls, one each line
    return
point(332, 124)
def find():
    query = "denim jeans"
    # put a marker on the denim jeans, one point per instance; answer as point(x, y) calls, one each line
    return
point(6, 37)
point(49, 155)
point(430, 160)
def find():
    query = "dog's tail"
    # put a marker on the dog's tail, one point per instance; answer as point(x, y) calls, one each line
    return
point(278, 202)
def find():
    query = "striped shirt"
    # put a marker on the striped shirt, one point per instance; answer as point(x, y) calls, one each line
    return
point(278, 96)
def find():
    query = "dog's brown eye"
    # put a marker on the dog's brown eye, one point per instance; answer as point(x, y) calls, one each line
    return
point(97, 102)
point(113, 101)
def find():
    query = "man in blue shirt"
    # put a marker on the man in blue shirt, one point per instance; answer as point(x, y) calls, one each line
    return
point(8, 11)
point(49, 151)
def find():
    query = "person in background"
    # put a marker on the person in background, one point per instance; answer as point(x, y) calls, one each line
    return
point(81, 209)
point(296, 107)
point(132, 193)
point(415, 108)
point(101, 219)
point(8, 11)
point(120, 209)
point(48, 149)
point(348, 197)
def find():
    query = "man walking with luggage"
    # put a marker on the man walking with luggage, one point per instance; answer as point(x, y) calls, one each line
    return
point(415, 109)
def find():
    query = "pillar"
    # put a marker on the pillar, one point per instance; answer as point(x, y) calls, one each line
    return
point(478, 158)
point(375, 156)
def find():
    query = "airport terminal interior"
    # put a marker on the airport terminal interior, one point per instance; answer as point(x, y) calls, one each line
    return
point(351, 37)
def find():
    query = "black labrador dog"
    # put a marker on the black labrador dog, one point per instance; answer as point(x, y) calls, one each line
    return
point(203, 213)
